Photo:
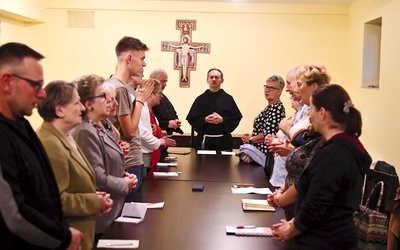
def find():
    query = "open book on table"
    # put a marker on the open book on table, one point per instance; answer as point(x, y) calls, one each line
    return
point(133, 213)
point(257, 205)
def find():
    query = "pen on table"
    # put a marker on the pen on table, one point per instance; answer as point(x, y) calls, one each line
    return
point(245, 227)
point(243, 185)
point(119, 244)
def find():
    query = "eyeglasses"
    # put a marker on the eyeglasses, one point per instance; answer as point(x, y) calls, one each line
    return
point(269, 88)
point(102, 95)
point(37, 84)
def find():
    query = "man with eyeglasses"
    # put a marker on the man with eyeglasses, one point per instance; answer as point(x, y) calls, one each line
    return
point(30, 206)
point(214, 115)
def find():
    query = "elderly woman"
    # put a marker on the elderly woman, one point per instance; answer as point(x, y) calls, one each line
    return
point(100, 146)
point(62, 111)
point(309, 77)
point(329, 189)
point(304, 142)
point(267, 122)
point(152, 140)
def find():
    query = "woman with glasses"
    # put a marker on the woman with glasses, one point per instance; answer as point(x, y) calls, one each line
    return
point(62, 111)
point(100, 145)
point(267, 122)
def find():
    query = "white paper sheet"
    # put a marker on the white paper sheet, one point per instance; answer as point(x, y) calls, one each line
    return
point(249, 190)
point(165, 174)
point(227, 153)
point(152, 205)
point(167, 164)
point(118, 244)
point(206, 152)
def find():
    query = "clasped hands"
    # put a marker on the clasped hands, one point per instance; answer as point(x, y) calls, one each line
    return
point(214, 118)
point(284, 230)
point(131, 180)
point(143, 92)
point(246, 138)
point(167, 142)
point(174, 124)
point(271, 198)
point(278, 146)
point(125, 147)
point(105, 202)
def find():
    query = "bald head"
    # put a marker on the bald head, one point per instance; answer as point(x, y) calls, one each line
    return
point(291, 82)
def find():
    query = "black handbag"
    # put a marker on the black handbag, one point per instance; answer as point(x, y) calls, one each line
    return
point(372, 224)
point(382, 172)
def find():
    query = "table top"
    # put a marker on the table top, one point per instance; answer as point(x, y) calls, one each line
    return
point(195, 220)
point(217, 167)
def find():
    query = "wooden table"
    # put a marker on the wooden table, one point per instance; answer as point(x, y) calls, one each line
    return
point(200, 167)
point(197, 220)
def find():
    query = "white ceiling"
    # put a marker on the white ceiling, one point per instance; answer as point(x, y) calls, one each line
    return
point(279, 1)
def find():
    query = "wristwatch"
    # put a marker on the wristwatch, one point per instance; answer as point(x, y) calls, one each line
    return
point(250, 142)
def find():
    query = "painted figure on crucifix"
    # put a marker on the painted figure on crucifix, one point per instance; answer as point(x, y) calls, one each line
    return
point(185, 50)
point(185, 56)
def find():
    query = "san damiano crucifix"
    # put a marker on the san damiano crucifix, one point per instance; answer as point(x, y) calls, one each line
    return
point(185, 51)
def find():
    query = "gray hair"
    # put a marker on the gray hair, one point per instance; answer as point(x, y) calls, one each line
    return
point(107, 87)
point(157, 72)
point(280, 83)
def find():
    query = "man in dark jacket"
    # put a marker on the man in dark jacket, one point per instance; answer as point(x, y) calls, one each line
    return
point(30, 207)
point(214, 115)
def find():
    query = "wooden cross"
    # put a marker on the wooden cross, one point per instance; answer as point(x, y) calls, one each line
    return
point(185, 51)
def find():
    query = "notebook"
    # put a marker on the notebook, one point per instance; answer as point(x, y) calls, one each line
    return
point(257, 205)
point(132, 213)
point(256, 231)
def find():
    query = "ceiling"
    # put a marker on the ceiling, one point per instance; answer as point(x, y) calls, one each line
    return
point(279, 1)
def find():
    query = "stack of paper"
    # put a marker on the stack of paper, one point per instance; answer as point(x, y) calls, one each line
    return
point(255, 204)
